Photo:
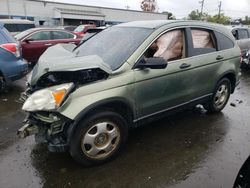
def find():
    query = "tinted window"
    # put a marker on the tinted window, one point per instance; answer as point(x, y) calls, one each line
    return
point(223, 42)
point(62, 35)
point(242, 34)
point(11, 27)
point(23, 27)
point(42, 35)
point(114, 45)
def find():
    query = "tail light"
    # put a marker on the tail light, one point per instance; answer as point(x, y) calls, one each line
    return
point(11, 47)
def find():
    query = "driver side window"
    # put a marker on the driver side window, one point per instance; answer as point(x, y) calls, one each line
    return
point(169, 46)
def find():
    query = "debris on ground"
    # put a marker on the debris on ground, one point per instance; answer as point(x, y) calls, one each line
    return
point(201, 109)
point(233, 104)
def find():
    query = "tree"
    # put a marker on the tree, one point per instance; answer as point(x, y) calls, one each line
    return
point(222, 19)
point(170, 15)
point(194, 15)
point(149, 5)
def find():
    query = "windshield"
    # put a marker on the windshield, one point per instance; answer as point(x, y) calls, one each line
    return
point(114, 45)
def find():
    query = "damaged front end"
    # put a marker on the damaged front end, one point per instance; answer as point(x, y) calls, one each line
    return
point(58, 73)
point(48, 128)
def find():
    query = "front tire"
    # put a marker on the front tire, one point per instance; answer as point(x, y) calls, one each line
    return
point(220, 96)
point(99, 138)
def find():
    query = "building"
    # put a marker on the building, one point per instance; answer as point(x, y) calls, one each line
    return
point(57, 13)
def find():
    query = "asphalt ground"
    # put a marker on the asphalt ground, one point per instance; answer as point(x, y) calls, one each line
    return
point(188, 149)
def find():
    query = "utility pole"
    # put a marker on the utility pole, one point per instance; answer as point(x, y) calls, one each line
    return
point(8, 8)
point(202, 5)
point(219, 10)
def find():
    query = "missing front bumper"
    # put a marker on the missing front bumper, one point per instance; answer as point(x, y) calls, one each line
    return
point(48, 127)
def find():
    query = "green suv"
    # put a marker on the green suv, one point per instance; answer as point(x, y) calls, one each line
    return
point(84, 99)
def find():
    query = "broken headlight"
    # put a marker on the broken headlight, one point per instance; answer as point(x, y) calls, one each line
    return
point(47, 99)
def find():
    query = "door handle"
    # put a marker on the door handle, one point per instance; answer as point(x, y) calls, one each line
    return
point(184, 66)
point(48, 44)
point(219, 57)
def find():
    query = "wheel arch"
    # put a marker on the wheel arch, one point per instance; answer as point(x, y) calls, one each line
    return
point(231, 75)
point(118, 105)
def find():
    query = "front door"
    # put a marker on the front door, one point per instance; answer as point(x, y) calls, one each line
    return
point(157, 90)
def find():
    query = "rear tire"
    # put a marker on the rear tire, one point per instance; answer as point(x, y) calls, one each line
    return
point(98, 138)
point(220, 96)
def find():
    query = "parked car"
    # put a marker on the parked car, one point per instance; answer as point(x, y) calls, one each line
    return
point(242, 36)
point(91, 32)
point(15, 26)
point(35, 41)
point(84, 101)
point(12, 66)
point(67, 27)
point(81, 29)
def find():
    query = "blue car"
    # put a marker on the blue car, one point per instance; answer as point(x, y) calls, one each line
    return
point(12, 66)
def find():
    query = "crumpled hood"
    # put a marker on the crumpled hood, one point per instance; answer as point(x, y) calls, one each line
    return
point(61, 58)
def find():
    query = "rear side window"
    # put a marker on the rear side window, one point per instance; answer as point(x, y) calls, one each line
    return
point(203, 41)
point(223, 42)
point(62, 35)
point(242, 34)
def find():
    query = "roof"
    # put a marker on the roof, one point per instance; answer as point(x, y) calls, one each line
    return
point(153, 24)
point(5, 21)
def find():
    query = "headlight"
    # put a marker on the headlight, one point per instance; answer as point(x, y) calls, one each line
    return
point(47, 99)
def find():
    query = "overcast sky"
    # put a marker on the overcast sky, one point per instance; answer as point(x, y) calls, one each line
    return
point(180, 8)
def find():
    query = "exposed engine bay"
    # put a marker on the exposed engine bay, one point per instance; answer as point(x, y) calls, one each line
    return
point(79, 77)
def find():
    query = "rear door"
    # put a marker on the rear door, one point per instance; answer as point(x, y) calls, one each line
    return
point(35, 45)
point(204, 60)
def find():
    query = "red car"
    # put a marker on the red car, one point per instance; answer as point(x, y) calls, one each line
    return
point(35, 41)
point(82, 29)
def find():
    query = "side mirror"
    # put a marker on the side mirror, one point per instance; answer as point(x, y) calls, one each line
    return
point(28, 40)
point(152, 63)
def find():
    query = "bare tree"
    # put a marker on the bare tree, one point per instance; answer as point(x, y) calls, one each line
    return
point(149, 5)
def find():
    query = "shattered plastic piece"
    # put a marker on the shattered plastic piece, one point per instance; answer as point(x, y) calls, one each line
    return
point(233, 104)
